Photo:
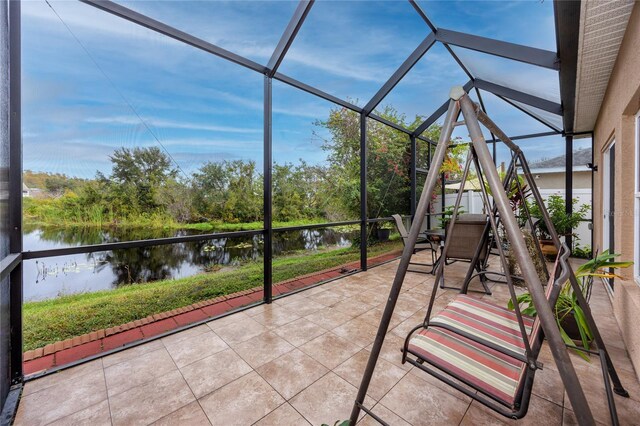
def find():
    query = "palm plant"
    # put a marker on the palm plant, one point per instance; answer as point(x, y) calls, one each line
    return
point(567, 308)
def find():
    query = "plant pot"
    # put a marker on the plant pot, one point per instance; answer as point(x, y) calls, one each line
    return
point(548, 248)
point(383, 234)
point(570, 326)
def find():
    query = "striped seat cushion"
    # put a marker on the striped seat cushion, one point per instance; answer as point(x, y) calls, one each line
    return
point(485, 369)
point(485, 321)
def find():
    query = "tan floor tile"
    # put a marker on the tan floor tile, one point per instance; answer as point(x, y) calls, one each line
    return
point(404, 328)
point(290, 298)
point(252, 312)
point(569, 419)
point(215, 371)
point(300, 331)
point(539, 408)
point(151, 401)
point(262, 349)
point(408, 305)
point(284, 415)
point(138, 371)
point(186, 334)
point(292, 372)
point(548, 385)
point(326, 401)
point(386, 375)
point(392, 351)
point(61, 376)
point(228, 320)
point(385, 414)
point(189, 415)
point(305, 307)
point(240, 331)
point(241, 402)
point(372, 297)
point(353, 307)
point(420, 404)
point(357, 331)
point(628, 409)
point(193, 348)
point(326, 298)
point(61, 400)
point(96, 415)
point(477, 417)
point(374, 317)
point(330, 350)
point(329, 318)
point(134, 352)
point(433, 382)
point(276, 316)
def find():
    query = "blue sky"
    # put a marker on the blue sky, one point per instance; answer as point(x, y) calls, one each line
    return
point(203, 108)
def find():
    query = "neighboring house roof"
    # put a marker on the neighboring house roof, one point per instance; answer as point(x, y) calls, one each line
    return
point(25, 188)
point(557, 164)
point(602, 27)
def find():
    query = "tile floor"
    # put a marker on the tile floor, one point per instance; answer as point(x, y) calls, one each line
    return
point(298, 362)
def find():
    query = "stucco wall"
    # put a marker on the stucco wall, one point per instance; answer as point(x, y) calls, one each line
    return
point(616, 120)
point(581, 180)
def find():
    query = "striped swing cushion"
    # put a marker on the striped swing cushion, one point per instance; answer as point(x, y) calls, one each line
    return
point(487, 370)
point(486, 321)
point(490, 371)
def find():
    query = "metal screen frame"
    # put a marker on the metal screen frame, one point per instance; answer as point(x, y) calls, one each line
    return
point(12, 265)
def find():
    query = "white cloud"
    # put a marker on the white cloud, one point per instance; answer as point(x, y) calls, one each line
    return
point(169, 124)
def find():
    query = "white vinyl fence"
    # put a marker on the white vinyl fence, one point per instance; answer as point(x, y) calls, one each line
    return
point(472, 203)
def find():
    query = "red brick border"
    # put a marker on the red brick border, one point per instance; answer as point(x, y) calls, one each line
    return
point(79, 347)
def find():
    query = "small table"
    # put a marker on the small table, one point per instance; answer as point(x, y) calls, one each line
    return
point(435, 235)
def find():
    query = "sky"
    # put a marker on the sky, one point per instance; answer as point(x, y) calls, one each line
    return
point(93, 83)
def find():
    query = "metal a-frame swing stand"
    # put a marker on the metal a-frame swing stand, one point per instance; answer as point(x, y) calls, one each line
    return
point(501, 211)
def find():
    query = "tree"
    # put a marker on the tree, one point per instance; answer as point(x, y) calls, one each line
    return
point(210, 185)
point(388, 162)
point(229, 191)
point(139, 173)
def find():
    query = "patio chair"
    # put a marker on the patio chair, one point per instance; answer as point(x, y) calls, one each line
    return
point(425, 244)
point(469, 233)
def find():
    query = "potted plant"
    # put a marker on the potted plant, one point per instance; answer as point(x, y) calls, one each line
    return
point(383, 231)
point(563, 222)
point(569, 315)
point(447, 215)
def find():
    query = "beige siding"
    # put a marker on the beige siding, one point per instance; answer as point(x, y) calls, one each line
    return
point(581, 180)
point(616, 120)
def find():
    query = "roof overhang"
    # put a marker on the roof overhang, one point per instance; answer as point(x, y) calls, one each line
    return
point(602, 26)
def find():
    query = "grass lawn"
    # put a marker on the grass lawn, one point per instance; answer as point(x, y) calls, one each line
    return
point(68, 316)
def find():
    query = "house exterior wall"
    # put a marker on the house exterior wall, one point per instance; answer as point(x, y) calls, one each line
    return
point(581, 180)
point(616, 121)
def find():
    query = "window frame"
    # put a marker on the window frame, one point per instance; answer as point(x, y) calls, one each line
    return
point(636, 202)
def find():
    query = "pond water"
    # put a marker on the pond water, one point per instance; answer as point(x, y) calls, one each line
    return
point(52, 277)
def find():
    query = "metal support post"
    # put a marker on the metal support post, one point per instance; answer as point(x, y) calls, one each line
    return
point(568, 183)
point(363, 192)
point(268, 191)
point(414, 175)
point(15, 188)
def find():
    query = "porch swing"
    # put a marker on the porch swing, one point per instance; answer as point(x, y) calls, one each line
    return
point(484, 350)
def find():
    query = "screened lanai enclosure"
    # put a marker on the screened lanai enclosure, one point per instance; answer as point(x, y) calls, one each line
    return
point(165, 163)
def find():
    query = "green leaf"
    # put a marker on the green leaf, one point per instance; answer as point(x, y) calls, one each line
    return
point(567, 340)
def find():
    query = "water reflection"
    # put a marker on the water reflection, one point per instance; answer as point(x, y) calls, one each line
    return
point(51, 277)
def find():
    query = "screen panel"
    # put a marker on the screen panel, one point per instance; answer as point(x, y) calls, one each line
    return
point(126, 128)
